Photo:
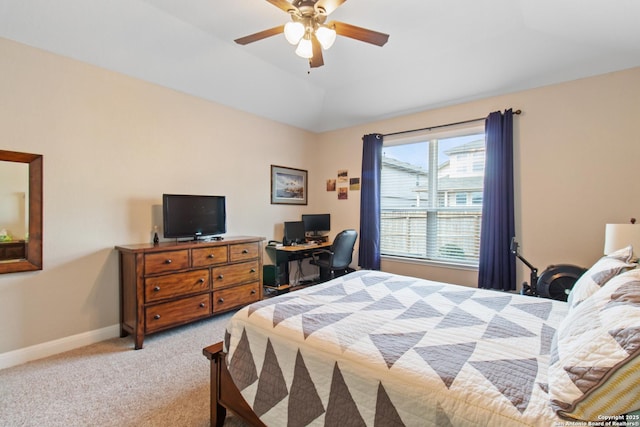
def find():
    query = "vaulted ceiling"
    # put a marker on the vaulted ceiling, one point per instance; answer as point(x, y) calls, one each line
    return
point(439, 52)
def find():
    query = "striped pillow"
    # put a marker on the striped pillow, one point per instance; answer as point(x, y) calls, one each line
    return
point(600, 273)
point(594, 367)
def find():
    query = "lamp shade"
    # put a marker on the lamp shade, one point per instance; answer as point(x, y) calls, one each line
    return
point(618, 236)
point(305, 49)
point(293, 32)
point(326, 37)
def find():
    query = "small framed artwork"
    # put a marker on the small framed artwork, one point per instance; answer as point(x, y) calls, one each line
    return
point(343, 193)
point(288, 186)
point(354, 184)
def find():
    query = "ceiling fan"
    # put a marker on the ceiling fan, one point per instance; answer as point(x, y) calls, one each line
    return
point(309, 31)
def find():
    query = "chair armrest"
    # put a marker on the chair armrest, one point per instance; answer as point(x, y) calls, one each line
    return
point(315, 253)
point(322, 251)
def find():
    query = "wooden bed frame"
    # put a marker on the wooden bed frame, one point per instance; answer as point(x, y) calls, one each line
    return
point(224, 393)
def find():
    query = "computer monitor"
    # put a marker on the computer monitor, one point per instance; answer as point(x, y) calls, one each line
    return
point(317, 224)
point(293, 232)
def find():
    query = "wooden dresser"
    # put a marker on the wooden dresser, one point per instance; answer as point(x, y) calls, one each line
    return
point(174, 283)
point(16, 249)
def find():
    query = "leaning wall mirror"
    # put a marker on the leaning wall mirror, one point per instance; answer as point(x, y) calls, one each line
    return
point(20, 212)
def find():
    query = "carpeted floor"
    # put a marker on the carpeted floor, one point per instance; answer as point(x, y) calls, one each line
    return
point(110, 384)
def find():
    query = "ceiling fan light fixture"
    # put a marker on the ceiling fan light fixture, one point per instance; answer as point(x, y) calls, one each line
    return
point(326, 36)
point(293, 32)
point(309, 31)
point(305, 49)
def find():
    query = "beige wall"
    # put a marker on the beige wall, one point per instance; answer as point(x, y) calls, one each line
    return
point(112, 145)
point(576, 161)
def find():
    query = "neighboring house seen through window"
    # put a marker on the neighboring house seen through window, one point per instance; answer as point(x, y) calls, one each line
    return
point(431, 196)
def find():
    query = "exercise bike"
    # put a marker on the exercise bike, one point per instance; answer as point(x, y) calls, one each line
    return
point(555, 282)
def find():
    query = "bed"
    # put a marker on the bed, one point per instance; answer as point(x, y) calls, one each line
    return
point(380, 349)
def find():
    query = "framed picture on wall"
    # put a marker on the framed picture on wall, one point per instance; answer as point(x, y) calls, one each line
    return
point(288, 186)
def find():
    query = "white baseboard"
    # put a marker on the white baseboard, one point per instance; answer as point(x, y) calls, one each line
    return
point(38, 351)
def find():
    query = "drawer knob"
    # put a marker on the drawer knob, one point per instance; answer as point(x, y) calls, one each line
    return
point(220, 276)
point(245, 251)
point(253, 291)
point(156, 289)
point(157, 316)
point(168, 261)
point(201, 280)
point(201, 305)
point(220, 299)
point(253, 270)
point(212, 256)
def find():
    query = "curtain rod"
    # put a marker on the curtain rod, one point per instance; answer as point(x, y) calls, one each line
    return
point(517, 112)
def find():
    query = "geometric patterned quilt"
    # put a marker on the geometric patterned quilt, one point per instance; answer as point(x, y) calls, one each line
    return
point(378, 349)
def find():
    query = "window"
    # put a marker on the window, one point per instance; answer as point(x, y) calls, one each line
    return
point(478, 161)
point(476, 198)
point(431, 196)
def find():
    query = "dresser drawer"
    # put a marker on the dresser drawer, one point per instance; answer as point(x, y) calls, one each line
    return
point(175, 285)
point(205, 257)
point(243, 251)
point(226, 299)
point(161, 262)
point(229, 275)
point(163, 315)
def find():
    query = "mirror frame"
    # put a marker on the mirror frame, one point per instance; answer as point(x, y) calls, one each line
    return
point(33, 259)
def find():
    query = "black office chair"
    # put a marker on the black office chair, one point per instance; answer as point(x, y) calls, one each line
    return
point(334, 262)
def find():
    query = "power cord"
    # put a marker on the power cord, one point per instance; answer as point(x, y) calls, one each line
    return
point(299, 276)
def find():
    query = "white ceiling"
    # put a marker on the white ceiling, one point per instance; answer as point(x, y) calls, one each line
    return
point(439, 52)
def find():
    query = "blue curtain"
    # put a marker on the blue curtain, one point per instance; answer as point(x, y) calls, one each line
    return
point(369, 250)
point(497, 268)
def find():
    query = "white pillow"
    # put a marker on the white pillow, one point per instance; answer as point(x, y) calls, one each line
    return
point(601, 272)
point(594, 367)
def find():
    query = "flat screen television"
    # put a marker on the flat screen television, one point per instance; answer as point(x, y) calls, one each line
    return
point(316, 224)
point(193, 216)
point(293, 232)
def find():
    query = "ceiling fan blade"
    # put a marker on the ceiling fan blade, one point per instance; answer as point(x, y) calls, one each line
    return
point(316, 60)
point(283, 5)
point(359, 33)
point(329, 5)
point(261, 35)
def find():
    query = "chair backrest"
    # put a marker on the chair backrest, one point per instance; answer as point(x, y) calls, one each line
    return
point(342, 248)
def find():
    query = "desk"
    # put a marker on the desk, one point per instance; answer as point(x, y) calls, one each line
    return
point(282, 255)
